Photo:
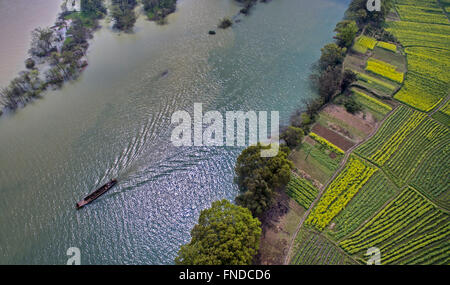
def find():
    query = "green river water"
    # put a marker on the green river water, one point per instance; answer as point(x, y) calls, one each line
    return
point(114, 121)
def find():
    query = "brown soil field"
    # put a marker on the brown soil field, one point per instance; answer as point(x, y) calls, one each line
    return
point(365, 123)
point(333, 137)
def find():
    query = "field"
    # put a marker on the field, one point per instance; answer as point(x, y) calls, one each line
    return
point(339, 193)
point(315, 162)
point(363, 43)
point(375, 84)
point(372, 196)
point(443, 114)
point(312, 248)
point(326, 144)
point(387, 46)
point(378, 108)
point(410, 229)
point(302, 191)
point(424, 31)
point(432, 176)
point(424, 139)
point(391, 135)
point(384, 69)
point(393, 192)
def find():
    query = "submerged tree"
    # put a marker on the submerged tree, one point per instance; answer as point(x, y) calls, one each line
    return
point(42, 40)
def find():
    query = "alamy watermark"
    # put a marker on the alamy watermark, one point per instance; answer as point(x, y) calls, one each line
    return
point(374, 255)
point(75, 256)
point(373, 5)
point(191, 132)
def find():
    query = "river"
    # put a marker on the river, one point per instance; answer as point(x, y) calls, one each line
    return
point(114, 121)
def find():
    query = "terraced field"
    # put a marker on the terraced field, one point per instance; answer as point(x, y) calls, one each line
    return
point(443, 114)
point(312, 248)
point(393, 193)
point(378, 108)
point(302, 191)
point(339, 193)
point(409, 226)
point(372, 196)
point(424, 30)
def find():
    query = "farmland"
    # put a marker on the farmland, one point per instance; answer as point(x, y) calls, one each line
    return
point(364, 43)
point(313, 248)
point(378, 108)
point(384, 69)
point(408, 225)
point(372, 196)
point(393, 191)
point(301, 190)
point(424, 31)
point(340, 192)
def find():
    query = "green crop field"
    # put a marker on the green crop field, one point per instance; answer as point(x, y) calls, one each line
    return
point(393, 193)
point(416, 147)
point(432, 176)
point(424, 30)
point(372, 196)
point(409, 226)
point(339, 193)
point(311, 248)
point(302, 191)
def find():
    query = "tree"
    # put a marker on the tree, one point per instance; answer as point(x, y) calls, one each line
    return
point(347, 79)
point(226, 234)
point(346, 33)
point(357, 11)
point(351, 105)
point(93, 7)
point(330, 82)
point(293, 136)
point(252, 170)
point(41, 41)
point(122, 11)
point(332, 55)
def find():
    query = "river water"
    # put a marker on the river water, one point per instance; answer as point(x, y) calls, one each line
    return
point(114, 121)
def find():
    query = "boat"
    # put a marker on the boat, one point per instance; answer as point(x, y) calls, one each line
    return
point(97, 193)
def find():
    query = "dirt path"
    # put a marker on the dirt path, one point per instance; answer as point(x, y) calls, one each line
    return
point(336, 173)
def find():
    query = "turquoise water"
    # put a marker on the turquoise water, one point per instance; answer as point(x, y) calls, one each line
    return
point(115, 122)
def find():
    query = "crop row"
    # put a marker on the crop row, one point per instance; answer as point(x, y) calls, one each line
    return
point(302, 191)
point(421, 14)
point(371, 103)
point(363, 43)
point(390, 145)
point(420, 34)
point(416, 147)
point(421, 92)
point(392, 123)
point(372, 196)
point(425, 31)
point(387, 46)
point(433, 173)
point(408, 224)
point(325, 143)
point(314, 249)
point(340, 192)
point(384, 69)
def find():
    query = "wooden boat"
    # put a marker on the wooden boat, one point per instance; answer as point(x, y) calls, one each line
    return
point(97, 193)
